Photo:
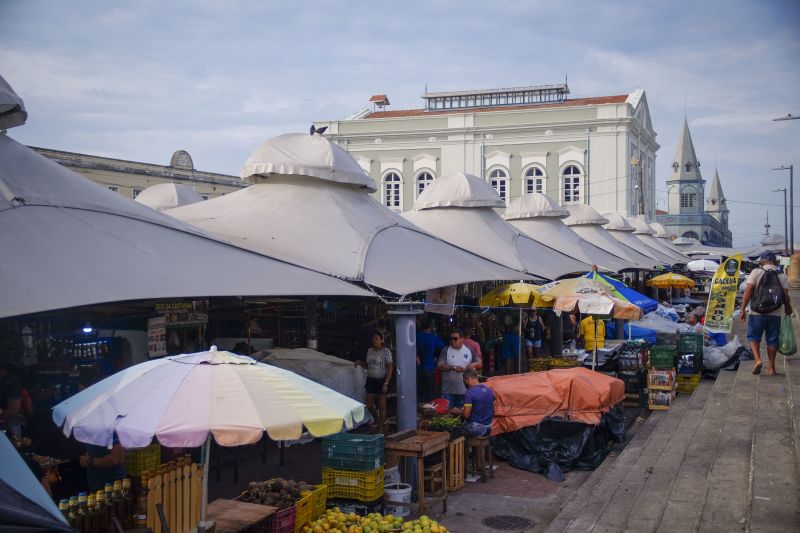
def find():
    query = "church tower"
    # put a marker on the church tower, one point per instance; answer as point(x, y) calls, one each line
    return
point(686, 185)
point(717, 207)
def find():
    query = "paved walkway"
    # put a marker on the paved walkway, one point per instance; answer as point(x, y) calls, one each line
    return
point(723, 459)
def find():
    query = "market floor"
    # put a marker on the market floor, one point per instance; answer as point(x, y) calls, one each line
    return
point(723, 459)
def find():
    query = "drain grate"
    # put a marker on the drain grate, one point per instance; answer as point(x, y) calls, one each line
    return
point(504, 522)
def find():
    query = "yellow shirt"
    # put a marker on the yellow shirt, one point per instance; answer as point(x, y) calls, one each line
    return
point(587, 331)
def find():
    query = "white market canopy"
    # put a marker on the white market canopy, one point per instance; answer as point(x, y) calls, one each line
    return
point(539, 218)
point(327, 220)
point(168, 195)
point(588, 223)
point(620, 229)
point(459, 208)
point(643, 232)
point(69, 242)
point(12, 108)
point(691, 247)
point(664, 237)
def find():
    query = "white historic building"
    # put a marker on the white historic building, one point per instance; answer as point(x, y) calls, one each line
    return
point(599, 150)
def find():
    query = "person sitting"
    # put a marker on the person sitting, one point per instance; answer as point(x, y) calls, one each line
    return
point(478, 409)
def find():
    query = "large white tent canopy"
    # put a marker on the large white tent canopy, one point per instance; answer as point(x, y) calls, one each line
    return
point(459, 208)
point(620, 229)
point(646, 234)
point(168, 195)
point(538, 217)
point(692, 247)
point(588, 223)
point(68, 242)
point(324, 218)
point(663, 236)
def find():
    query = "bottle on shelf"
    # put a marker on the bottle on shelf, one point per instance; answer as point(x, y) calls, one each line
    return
point(101, 512)
point(91, 513)
point(72, 515)
point(63, 506)
point(83, 515)
point(140, 512)
point(125, 509)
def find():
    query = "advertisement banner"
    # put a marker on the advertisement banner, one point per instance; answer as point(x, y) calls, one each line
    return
point(722, 296)
point(157, 336)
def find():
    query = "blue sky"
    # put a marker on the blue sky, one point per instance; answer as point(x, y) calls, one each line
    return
point(140, 79)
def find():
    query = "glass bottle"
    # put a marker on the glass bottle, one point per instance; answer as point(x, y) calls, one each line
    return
point(140, 513)
point(91, 514)
point(72, 516)
point(83, 517)
point(125, 509)
point(63, 506)
point(101, 511)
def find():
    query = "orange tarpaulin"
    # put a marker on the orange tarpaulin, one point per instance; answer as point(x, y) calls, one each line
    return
point(578, 394)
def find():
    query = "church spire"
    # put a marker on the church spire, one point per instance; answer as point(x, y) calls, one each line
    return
point(685, 166)
point(716, 198)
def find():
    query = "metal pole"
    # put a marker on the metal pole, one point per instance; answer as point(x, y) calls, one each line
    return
point(203, 525)
point(519, 347)
point(406, 334)
point(791, 210)
point(556, 341)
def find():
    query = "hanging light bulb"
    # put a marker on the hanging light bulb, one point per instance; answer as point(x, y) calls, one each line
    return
point(87, 328)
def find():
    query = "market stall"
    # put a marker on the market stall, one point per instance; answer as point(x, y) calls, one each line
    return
point(619, 228)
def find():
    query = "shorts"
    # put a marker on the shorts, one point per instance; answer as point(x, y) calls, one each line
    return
point(456, 400)
point(374, 385)
point(757, 325)
point(534, 344)
point(476, 429)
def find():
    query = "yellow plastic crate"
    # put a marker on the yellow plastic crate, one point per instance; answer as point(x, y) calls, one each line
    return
point(140, 460)
point(687, 383)
point(320, 496)
point(304, 508)
point(354, 485)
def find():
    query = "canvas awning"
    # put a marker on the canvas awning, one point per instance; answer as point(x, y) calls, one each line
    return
point(334, 225)
point(646, 234)
point(459, 208)
point(168, 195)
point(620, 229)
point(12, 108)
point(539, 218)
point(69, 242)
point(588, 223)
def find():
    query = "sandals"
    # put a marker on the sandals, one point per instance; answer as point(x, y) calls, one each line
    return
point(757, 368)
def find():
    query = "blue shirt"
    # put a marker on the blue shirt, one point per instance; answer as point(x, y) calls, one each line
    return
point(428, 347)
point(481, 398)
point(510, 348)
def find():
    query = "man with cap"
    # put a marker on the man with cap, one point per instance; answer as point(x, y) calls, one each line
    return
point(769, 323)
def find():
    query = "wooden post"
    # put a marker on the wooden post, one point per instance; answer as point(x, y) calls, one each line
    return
point(186, 499)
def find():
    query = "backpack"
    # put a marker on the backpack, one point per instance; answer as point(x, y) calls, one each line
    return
point(768, 294)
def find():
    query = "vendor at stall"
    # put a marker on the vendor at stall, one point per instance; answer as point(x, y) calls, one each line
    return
point(380, 369)
point(453, 361)
point(593, 331)
point(103, 464)
point(534, 332)
point(478, 409)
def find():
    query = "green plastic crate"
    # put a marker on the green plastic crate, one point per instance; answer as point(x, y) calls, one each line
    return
point(690, 343)
point(663, 356)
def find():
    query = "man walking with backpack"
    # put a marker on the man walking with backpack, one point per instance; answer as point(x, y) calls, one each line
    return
point(767, 291)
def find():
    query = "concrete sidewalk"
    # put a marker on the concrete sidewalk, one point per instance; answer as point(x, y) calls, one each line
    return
point(723, 459)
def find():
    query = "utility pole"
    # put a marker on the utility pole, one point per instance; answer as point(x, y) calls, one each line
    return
point(785, 222)
point(790, 168)
point(637, 165)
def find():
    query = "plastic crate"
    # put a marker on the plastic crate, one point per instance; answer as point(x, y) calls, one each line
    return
point(690, 343)
point(303, 510)
point(320, 497)
point(633, 380)
point(348, 451)
point(660, 400)
point(140, 460)
point(661, 379)
point(359, 508)
point(663, 356)
point(687, 383)
point(353, 485)
point(282, 521)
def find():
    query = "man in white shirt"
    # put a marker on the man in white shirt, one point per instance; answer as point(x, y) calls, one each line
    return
point(767, 321)
point(453, 360)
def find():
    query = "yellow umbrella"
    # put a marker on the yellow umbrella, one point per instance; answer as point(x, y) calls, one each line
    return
point(512, 293)
point(671, 280)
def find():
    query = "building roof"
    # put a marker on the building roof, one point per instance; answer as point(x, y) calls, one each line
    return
point(559, 87)
point(379, 99)
point(685, 166)
point(596, 100)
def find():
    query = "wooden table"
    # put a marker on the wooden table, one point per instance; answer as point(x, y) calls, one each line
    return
point(420, 444)
point(239, 517)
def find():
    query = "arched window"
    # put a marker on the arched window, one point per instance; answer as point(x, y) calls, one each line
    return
point(688, 197)
point(393, 191)
point(498, 178)
point(690, 235)
point(424, 179)
point(534, 181)
point(572, 184)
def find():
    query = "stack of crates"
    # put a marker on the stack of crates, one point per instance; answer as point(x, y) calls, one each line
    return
point(661, 377)
point(352, 469)
point(633, 357)
point(690, 362)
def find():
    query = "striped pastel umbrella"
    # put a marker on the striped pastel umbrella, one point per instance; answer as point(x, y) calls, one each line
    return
point(623, 292)
point(184, 399)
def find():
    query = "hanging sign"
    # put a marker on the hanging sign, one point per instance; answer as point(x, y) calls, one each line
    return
point(441, 300)
point(722, 296)
point(184, 313)
point(157, 336)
